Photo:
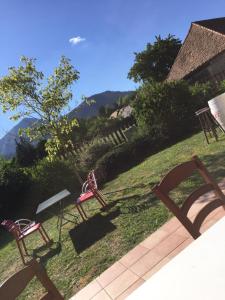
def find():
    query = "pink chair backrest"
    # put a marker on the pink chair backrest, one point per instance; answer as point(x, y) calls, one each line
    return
point(12, 227)
point(92, 183)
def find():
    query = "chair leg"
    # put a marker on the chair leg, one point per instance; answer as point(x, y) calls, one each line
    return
point(45, 233)
point(43, 236)
point(81, 212)
point(21, 252)
point(100, 199)
point(24, 246)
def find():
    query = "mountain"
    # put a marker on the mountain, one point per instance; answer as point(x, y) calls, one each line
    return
point(108, 98)
point(7, 143)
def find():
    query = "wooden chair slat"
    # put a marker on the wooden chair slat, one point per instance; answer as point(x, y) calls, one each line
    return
point(205, 211)
point(195, 195)
point(177, 175)
point(14, 286)
point(174, 178)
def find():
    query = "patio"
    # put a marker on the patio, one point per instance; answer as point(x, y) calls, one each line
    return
point(138, 265)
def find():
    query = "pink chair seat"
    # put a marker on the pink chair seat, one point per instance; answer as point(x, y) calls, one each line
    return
point(89, 191)
point(85, 196)
point(29, 230)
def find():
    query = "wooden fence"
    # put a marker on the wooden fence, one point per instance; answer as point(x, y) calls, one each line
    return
point(116, 137)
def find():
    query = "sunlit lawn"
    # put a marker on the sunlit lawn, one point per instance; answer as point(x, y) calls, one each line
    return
point(89, 248)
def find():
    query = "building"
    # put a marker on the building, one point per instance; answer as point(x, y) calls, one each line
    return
point(202, 55)
point(123, 112)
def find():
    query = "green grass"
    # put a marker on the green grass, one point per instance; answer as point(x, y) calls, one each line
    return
point(132, 215)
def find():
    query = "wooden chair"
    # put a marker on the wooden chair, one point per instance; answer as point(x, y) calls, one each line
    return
point(21, 229)
point(89, 191)
point(14, 286)
point(174, 178)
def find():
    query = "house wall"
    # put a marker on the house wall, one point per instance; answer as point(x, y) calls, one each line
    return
point(210, 70)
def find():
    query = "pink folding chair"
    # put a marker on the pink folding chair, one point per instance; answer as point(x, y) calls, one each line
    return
point(21, 229)
point(89, 191)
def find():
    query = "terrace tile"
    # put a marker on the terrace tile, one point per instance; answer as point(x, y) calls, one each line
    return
point(154, 239)
point(101, 296)
point(121, 284)
point(169, 244)
point(146, 263)
point(181, 247)
point(131, 257)
point(156, 268)
point(110, 274)
point(170, 226)
point(132, 288)
point(88, 291)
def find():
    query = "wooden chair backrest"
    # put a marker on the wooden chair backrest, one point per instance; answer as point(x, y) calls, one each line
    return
point(174, 178)
point(14, 286)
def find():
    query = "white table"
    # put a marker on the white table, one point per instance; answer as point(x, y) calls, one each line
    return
point(53, 200)
point(197, 273)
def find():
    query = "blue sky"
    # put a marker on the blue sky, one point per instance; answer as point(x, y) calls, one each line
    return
point(112, 31)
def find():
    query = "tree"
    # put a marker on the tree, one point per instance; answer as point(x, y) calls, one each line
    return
point(28, 154)
point(155, 62)
point(25, 153)
point(166, 110)
point(26, 92)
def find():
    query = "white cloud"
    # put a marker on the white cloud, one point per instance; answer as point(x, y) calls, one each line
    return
point(76, 40)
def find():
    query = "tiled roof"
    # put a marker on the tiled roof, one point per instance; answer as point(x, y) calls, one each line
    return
point(205, 40)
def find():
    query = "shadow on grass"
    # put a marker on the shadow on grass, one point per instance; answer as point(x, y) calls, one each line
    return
point(89, 232)
point(141, 185)
point(216, 165)
point(5, 237)
point(138, 203)
point(52, 251)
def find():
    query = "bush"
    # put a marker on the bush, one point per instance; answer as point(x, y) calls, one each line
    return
point(125, 156)
point(27, 154)
point(14, 186)
point(91, 153)
point(167, 110)
point(52, 177)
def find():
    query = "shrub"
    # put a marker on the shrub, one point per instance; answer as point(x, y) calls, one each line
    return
point(28, 154)
point(52, 177)
point(14, 185)
point(167, 110)
point(125, 156)
point(92, 152)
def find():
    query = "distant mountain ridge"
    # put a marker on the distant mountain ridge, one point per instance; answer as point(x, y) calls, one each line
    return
point(107, 99)
point(8, 143)
point(82, 111)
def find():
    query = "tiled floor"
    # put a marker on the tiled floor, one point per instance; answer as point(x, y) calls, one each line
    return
point(138, 265)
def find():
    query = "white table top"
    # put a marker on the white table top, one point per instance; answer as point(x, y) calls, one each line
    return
point(56, 198)
point(197, 273)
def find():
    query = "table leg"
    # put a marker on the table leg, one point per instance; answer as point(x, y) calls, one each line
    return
point(60, 219)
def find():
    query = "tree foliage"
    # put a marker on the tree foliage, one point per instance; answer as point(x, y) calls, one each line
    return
point(14, 185)
point(155, 62)
point(166, 110)
point(28, 154)
point(25, 91)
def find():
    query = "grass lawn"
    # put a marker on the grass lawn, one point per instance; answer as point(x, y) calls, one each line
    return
point(87, 249)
